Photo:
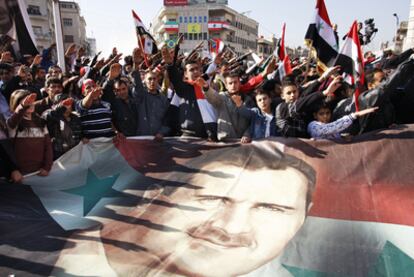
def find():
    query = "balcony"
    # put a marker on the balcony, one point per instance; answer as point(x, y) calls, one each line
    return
point(42, 36)
point(36, 14)
point(168, 26)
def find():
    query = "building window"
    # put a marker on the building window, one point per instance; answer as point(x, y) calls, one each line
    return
point(190, 19)
point(181, 19)
point(205, 36)
point(185, 19)
point(190, 36)
point(67, 5)
point(200, 36)
point(34, 10)
point(69, 39)
point(200, 19)
point(185, 36)
point(37, 30)
point(67, 22)
point(195, 19)
point(205, 19)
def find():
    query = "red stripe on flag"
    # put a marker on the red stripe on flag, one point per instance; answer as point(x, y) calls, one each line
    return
point(390, 203)
point(323, 12)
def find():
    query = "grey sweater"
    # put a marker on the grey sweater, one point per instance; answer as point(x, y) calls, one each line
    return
point(231, 120)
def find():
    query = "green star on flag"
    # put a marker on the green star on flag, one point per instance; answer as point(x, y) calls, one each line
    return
point(94, 190)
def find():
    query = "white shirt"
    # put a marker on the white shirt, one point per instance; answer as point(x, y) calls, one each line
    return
point(269, 119)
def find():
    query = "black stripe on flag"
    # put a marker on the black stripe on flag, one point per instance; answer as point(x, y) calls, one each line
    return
point(346, 63)
point(30, 240)
point(325, 53)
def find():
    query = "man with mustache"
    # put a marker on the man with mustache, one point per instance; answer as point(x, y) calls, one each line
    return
point(236, 214)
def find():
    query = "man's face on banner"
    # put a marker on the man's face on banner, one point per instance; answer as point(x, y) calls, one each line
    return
point(229, 225)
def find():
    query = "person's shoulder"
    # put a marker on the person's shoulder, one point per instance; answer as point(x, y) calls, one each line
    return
point(105, 104)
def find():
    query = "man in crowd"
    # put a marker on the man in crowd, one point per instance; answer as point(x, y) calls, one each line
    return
point(196, 117)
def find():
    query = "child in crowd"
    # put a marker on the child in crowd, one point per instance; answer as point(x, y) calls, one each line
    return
point(263, 122)
point(28, 130)
point(323, 128)
point(64, 126)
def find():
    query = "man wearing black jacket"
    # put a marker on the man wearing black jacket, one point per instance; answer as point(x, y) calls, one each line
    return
point(190, 114)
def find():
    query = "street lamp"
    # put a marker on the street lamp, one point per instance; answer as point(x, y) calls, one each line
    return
point(397, 19)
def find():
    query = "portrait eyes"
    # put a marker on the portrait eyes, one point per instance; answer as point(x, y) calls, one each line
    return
point(271, 208)
point(211, 200)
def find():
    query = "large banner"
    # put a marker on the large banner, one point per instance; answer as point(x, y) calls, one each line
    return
point(16, 28)
point(280, 207)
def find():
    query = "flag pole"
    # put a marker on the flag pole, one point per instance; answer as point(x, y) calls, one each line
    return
point(60, 48)
point(308, 62)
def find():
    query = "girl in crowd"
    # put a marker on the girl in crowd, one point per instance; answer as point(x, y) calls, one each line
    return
point(32, 144)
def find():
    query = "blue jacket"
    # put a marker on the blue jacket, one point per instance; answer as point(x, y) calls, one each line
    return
point(258, 125)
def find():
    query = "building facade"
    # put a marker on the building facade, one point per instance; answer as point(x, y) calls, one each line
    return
point(400, 37)
point(266, 47)
point(409, 41)
point(73, 24)
point(41, 16)
point(203, 20)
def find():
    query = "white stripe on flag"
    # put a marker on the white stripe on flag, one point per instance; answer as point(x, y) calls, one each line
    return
point(325, 31)
point(208, 113)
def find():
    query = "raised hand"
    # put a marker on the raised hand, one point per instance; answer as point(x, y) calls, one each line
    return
point(96, 92)
point(81, 52)
point(37, 60)
point(365, 112)
point(71, 50)
point(67, 103)
point(329, 72)
point(245, 140)
point(333, 86)
point(115, 71)
point(29, 100)
point(6, 57)
point(202, 83)
point(166, 55)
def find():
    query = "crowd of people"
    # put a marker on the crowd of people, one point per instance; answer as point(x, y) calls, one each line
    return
point(45, 112)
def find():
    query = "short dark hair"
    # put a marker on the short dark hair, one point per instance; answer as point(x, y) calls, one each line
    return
point(6, 66)
point(261, 91)
point(119, 82)
point(231, 74)
point(322, 105)
point(249, 157)
point(190, 61)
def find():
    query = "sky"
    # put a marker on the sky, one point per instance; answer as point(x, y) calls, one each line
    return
point(110, 22)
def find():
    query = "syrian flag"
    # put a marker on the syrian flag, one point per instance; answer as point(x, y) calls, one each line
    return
point(104, 206)
point(145, 39)
point(285, 67)
point(16, 28)
point(351, 61)
point(320, 37)
point(216, 47)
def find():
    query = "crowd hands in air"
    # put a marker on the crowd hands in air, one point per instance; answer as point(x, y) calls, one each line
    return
point(45, 113)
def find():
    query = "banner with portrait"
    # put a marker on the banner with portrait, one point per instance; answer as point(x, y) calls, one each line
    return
point(187, 207)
